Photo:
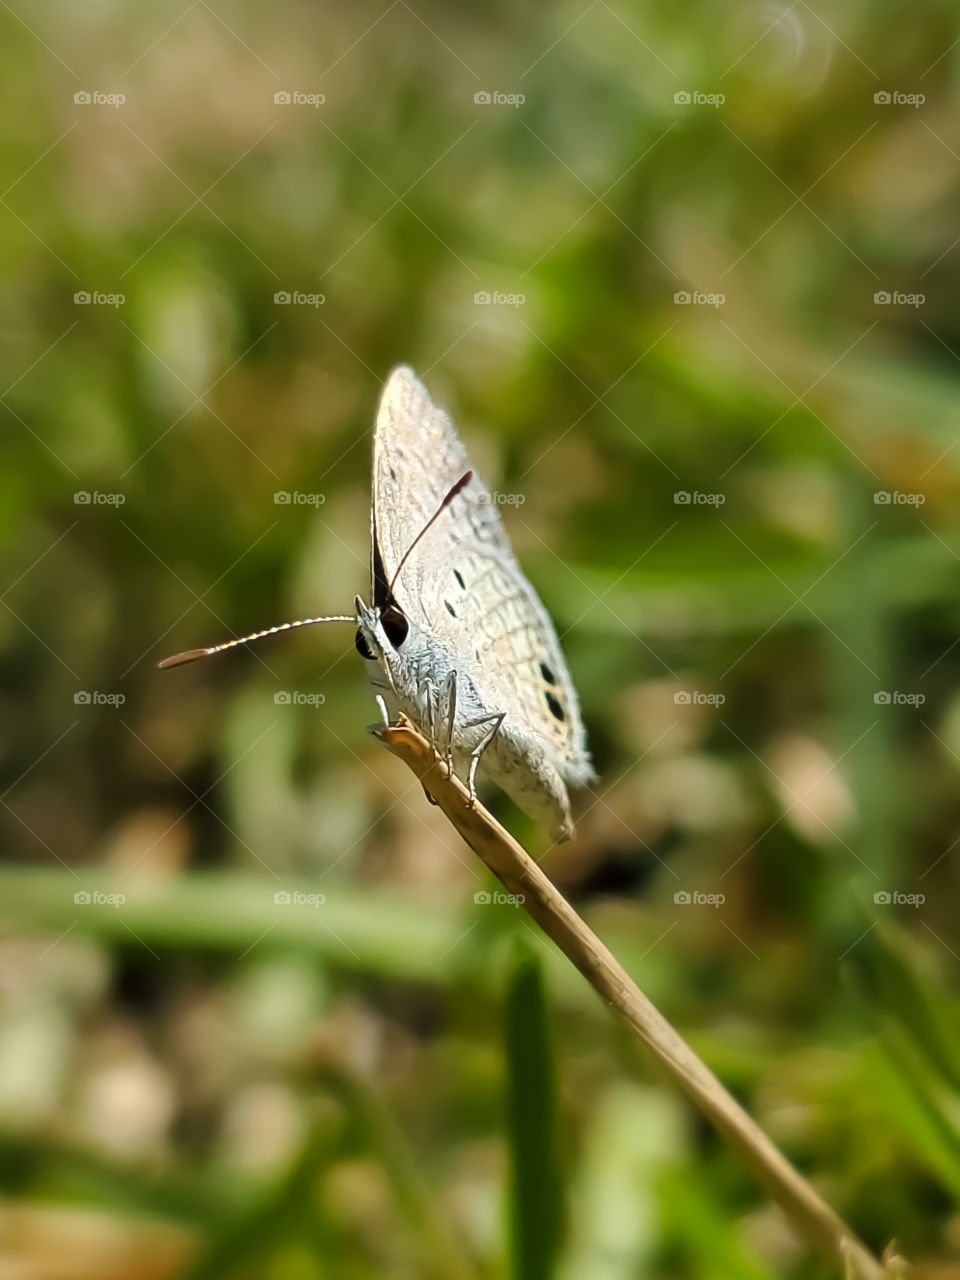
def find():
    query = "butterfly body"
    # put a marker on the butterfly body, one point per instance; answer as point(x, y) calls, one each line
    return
point(433, 686)
point(462, 643)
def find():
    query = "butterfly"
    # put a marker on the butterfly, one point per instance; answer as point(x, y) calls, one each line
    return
point(457, 638)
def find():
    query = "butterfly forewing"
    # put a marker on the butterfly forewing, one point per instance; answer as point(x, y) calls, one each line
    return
point(462, 583)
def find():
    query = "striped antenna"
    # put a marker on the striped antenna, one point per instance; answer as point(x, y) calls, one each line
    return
point(460, 485)
point(191, 655)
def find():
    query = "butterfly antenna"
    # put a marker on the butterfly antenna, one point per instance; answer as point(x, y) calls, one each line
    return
point(191, 655)
point(457, 488)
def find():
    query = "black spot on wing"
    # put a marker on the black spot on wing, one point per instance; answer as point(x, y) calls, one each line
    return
point(547, 674)
point(459, 577)
point(450, 609)
point(555, 708)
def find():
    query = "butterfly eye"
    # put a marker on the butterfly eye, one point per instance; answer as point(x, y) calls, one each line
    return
point(395, 625)
point(362, 647)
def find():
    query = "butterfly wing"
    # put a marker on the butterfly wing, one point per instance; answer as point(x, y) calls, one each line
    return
point(462, 583)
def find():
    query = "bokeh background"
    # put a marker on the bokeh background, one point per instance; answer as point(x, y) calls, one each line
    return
point(687, 278)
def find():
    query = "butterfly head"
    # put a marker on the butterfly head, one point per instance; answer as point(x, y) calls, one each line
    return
point(380, 632)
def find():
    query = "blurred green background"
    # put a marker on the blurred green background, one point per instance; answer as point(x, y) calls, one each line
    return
point(720, 250)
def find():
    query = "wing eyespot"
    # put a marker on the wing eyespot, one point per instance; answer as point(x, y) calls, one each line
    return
point(556, 709)
point(547, 674)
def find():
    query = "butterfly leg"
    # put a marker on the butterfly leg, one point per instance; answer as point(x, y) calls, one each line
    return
point(427, 709)
point(494, 721)
point(438, 713)
point(449, 705)
point(427, 718)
